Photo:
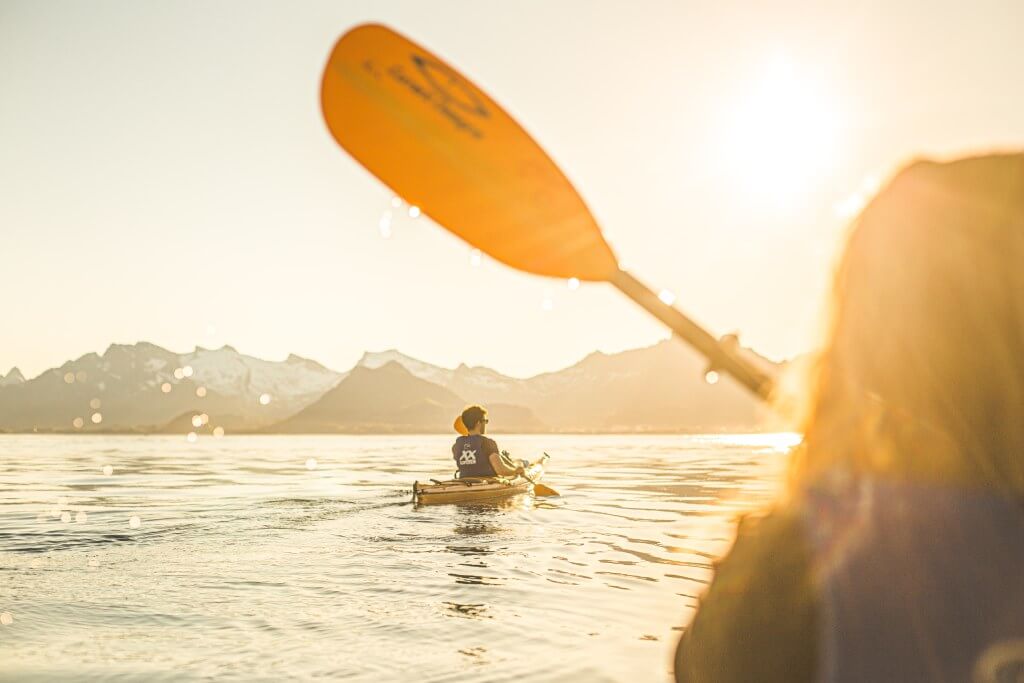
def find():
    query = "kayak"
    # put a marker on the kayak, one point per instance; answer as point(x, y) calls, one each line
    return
point(473, 489)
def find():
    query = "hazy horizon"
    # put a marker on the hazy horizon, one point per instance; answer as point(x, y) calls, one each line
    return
point(244, 352)
point(168, 176)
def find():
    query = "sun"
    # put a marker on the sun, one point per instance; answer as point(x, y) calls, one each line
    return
point(781, 134)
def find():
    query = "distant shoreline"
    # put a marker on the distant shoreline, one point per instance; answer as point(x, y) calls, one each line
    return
point(643, 432)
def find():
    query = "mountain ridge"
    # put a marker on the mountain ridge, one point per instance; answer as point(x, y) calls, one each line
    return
point(13, 377)
point(144, 388)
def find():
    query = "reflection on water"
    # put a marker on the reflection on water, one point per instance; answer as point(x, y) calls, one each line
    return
point(481, 524)
point(147, 558)
point(469, 611)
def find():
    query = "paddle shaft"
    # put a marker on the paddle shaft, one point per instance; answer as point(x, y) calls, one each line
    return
point(538, 488)
point(719, 356)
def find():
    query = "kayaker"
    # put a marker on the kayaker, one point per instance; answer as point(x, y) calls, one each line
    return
point(897, 550)
point(477, 455)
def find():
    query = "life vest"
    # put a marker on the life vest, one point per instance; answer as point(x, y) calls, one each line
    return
point(918, 583)
point(469, 455)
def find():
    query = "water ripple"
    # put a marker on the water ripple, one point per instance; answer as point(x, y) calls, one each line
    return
point(247, 565)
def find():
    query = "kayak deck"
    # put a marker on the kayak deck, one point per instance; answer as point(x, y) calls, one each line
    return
point(474, 489)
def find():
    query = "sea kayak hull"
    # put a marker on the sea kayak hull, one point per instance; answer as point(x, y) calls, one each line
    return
point(478, 489)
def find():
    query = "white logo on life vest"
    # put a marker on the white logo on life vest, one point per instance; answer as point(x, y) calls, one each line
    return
point(468, 457)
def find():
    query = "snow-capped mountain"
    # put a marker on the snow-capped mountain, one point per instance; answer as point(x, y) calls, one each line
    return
point(372, 360)
point(660, 387)
point(145, 388)
point(12, 378)
point(379, 399)
point(141, 387)
point(294, 382)
point(474, 384)
point(389, 398)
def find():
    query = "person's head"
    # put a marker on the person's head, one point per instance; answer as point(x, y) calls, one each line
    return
point(922, 374)
point(475, 419)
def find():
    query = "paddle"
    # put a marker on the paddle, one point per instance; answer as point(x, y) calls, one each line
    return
point(442, 144)
point(540, 489)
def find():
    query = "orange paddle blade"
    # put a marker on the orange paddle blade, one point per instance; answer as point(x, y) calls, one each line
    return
point(442, 144)
point(544, 491)
point(460, 427)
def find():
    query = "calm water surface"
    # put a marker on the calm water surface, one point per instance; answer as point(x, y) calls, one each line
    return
point(249, 561)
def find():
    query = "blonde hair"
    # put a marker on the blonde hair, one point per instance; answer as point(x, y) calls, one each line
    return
point(922, 373)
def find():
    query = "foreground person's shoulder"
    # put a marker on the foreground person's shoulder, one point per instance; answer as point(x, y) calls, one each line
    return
point(757, 621)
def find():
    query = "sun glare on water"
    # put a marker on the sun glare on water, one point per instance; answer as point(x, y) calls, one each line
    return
point(782, 135)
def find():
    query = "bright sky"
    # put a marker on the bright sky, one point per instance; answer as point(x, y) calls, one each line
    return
point(165, 174)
